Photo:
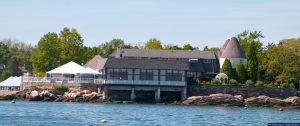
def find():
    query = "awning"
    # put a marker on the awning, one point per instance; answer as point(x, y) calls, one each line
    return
point(11, 82)
point(72, 68)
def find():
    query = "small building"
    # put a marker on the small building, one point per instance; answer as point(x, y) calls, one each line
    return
point(11, 84)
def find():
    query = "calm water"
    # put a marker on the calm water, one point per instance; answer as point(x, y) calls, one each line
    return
point(42, 113)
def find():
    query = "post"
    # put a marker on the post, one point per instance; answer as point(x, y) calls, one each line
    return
point(157, 95)
point(105, 93)
point(183, 94)
point(132, 95)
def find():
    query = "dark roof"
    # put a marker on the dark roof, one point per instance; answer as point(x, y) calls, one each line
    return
point(225, 44)
point(146, 64)
point(188, 54)
point(233, 49)
point(96, 63)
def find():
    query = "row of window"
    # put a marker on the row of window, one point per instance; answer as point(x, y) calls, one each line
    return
point(145, 74)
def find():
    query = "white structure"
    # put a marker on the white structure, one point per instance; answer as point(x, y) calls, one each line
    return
point(232, 51)
point(72, 72)
point(11, 84)
point(223, 78)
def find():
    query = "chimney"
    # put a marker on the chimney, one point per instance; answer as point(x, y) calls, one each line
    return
point(119, 52)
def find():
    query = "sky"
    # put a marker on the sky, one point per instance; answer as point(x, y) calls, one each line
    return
point(177, 22)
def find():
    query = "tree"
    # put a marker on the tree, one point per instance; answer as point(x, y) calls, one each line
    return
point(188, 47)
point(153, 44)
point(240, 72)
point(71, 44)
point(215, 49)
point(282, 63)
point(107, 48)
point(172, 47)
point(247, 37)
point(47, 55)
point(4, 54)
point(13, 66)
point(5, 74)
point(227, 68)
point(252, 67)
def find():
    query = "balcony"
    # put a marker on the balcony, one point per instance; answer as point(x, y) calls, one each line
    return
point(145, 82)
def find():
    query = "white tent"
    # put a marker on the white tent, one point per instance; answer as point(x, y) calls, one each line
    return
point(72, 68)
point(11, 83)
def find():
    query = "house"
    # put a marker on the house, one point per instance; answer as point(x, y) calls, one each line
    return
point(136, 73)
point(11, 84)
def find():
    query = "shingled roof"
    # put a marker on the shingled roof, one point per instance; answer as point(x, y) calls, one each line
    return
point(188, 54)
point(96, 63)
point(233, 49)
point(146, 64)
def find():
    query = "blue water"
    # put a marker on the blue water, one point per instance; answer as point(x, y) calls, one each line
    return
point(51, 113)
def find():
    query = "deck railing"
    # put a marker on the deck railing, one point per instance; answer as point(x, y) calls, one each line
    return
point(101, 81)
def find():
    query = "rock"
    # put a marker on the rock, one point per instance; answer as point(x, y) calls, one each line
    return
point(292, 101)
point(264, 101)
point(215, 99)
point(34, 93)
point(86, 92)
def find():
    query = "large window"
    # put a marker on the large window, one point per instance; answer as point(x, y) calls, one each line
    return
point(120, 74)
point(146, 74)
point(174, 75)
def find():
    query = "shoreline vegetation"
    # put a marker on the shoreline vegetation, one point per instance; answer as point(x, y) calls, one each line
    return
point(217, 99)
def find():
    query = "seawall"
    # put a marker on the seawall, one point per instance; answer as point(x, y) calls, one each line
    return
point(205, 90)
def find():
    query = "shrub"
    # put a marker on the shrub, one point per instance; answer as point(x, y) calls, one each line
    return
point(215, 81)
point(249, 83)
point(259, 84)
point(61, 88)
point(233, 81)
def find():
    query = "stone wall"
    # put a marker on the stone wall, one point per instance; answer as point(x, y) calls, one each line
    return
point(204, 90)
point(46, 85)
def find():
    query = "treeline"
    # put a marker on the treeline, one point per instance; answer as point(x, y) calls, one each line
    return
point(276, 63)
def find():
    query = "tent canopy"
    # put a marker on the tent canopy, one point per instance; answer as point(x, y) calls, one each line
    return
point(72, 68)
point(11, 82)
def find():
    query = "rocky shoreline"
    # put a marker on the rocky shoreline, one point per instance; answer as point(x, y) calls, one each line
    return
point(213, 99)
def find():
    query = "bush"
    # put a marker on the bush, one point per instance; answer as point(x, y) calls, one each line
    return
point(249, 83)
point(233, 81)
point(259, 84)
point(215, 81)
point(61, 88)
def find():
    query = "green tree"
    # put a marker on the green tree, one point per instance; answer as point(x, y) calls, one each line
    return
point(247, 37)
point(4, 53)
point(227, 68)
point(71, 44)
point(188, 47)
point(13, 66)
point(282, 63)
point(154, 44)
point(172, 47)
point(252, 67)
point(47, 54)
point(240, 72)
point(5, 74)
point(215, 49)
point(107, 48)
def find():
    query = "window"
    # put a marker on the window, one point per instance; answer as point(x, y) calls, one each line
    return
point(146, 74)
point(174, 75)
point(118, 74)
point(206, 60)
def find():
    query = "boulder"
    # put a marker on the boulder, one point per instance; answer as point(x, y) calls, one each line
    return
point(34, 93)
point(264, 101)
point(86, 92)
point(292, 101)
point(215, 99)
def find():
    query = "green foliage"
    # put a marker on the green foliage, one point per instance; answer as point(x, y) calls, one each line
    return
point(47, 55)
point(188, 47)
point(233, 81)
point(227, 68)
point(252, 68)
point(5, 74)
point(172, 47)
point(215, 49)
point(293, 43)
point(107, 48)
point(61, 88)
point(249, 83)
point(259, 84)
point(71, 46)
point(153, 44)
point(282, 63)
point(4, 53)
point(215, 81)
point(240, 72)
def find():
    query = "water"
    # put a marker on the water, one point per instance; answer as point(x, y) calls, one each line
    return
point(51, 113)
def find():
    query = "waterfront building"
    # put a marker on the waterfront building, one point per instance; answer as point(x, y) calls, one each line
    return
point(11, 84)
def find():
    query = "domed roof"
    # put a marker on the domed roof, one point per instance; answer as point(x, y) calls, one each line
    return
point(225, 44)
point(232, 49)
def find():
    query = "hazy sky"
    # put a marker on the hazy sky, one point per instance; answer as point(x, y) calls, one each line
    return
point(197, 22)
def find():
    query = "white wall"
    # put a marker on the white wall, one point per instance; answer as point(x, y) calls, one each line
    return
point(233, 61)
